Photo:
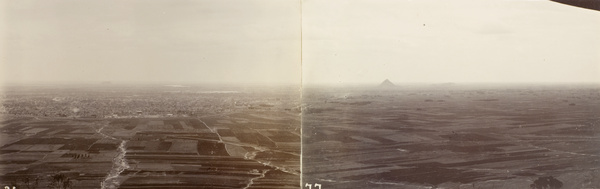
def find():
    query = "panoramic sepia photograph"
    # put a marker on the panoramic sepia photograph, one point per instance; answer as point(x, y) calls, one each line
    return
point(150, 94)
point(469, 94)
point(312, 94)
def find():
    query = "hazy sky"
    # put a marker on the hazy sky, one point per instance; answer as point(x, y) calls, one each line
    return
point(258, 41)
point(367, 41)
point(249, 41)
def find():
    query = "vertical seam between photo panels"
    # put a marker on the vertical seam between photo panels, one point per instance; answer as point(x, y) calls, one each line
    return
point(301, 95)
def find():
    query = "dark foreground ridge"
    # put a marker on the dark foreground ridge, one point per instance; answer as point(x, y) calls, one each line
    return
point(588, 4)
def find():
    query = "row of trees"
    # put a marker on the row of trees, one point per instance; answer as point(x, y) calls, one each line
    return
point(56, 181)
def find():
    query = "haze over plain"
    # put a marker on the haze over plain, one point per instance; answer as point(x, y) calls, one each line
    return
point(173, 42)
point(342, 42)
point(359, 41)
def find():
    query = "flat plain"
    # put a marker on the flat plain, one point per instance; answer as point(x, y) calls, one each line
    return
point(452, 136)
point(182, 139)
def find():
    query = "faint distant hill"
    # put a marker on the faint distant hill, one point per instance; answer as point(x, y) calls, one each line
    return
point(449, 84)
point(387, 83)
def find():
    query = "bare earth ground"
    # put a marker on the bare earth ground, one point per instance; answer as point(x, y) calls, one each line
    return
point(451, 137)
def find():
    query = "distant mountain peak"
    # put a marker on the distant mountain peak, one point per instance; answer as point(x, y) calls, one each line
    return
point(387, 83)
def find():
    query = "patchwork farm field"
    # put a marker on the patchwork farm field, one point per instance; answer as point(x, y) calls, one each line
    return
point(149, 136)
point(451, 137)
point(227, 151)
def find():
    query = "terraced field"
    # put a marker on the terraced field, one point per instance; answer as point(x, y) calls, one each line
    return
point(452, 138)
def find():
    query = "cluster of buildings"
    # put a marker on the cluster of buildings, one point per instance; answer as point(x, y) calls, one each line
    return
point(122, 105)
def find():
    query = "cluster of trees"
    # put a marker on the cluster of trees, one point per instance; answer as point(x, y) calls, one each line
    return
point(546, 183)
point(56, 181)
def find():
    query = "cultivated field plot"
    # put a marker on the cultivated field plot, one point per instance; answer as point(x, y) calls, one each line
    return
point(34, 149)
point(150, 136)
point(452, 137)
point(238, 151)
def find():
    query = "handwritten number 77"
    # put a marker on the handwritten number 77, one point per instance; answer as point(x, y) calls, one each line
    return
point(310, 186)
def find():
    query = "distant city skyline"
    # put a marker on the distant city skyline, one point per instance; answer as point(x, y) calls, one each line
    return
point(292, 41)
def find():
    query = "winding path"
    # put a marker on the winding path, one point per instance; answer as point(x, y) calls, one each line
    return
point(119, 163)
